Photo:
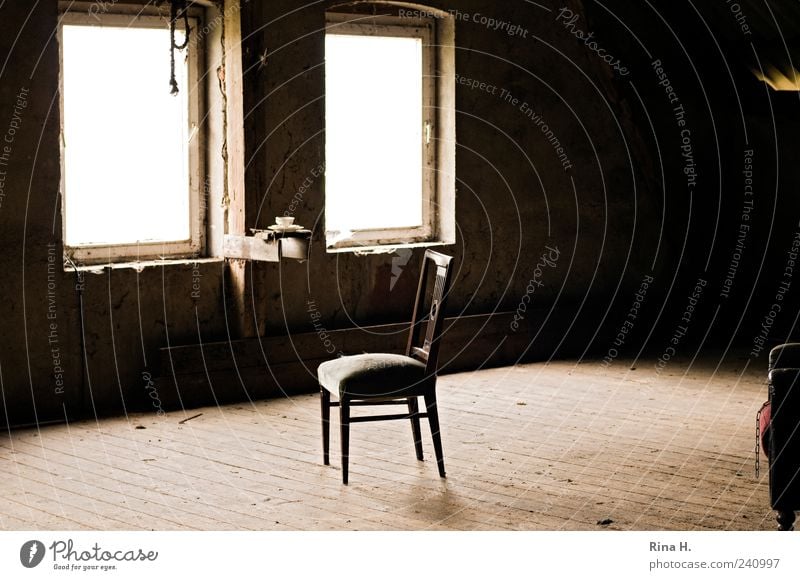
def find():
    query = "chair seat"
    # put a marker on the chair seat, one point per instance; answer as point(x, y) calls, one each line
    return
point(367, 376)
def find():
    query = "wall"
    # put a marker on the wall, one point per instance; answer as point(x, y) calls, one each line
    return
point(515, 197)
point(615, 222)
point(727, 177)
point(64, 353)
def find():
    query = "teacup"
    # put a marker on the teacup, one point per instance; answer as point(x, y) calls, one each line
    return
point(284, 221)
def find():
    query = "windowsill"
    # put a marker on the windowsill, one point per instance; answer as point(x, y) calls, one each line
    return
point(139, 266)
point(385, 248)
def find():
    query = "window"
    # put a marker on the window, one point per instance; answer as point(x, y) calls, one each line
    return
point(131, 151)
point(384, 133)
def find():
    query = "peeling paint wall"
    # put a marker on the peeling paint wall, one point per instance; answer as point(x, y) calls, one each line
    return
point(525, 80)
point(516, 95)
point(125, 316)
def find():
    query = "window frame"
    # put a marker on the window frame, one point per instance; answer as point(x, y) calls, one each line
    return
point(145, 16)
point(404, 27)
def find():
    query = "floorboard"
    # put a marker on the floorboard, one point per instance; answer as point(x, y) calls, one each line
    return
point(548, 446)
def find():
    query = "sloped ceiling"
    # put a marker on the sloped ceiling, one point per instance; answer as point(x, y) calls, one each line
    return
point(774, 31)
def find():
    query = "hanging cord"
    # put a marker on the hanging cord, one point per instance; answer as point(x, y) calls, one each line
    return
point(177, 10)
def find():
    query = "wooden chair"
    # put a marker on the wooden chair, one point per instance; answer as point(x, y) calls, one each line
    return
point(392, 379)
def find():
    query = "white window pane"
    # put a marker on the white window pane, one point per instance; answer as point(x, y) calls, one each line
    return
point(125, 137)
point(373, 92)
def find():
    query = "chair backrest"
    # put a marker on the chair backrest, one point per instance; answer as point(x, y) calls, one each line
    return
point(426, 323)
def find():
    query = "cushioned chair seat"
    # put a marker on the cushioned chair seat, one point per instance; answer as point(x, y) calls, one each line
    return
point(372, 375)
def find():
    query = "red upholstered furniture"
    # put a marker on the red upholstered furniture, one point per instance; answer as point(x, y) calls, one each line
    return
point(783, 433)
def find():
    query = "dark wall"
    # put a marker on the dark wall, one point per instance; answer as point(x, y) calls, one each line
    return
point(69, 345)
point(633, 237)
point(515, 196)
point(734, 225)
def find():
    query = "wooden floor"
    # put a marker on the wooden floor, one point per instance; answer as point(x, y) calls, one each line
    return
point(558, 446)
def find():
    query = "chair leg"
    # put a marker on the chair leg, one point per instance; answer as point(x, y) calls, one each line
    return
point(413, 410)
point(785, 520)
point(344, 425)
point(433, 419)
point(325, 404)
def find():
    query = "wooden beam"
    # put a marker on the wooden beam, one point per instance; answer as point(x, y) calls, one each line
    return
point(231, 77)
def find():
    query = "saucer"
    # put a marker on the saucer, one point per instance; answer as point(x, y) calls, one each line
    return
point(291, 228)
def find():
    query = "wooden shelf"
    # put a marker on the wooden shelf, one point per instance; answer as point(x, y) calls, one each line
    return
point(268, 246)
